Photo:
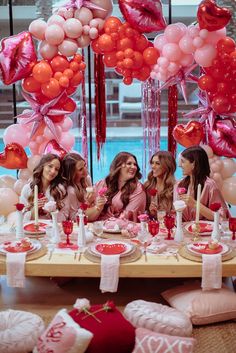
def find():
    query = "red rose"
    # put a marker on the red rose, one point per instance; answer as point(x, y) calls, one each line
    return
point(215, 206)
point(83, 206)
point(19, 206)
point(152, 192)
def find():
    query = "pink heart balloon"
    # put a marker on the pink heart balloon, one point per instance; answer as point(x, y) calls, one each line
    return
point(143, 15)
point(53, 147)
point(222, 137)
point(17, 57)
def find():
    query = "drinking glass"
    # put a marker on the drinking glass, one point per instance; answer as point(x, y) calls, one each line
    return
point(98, 228)
point(169, 221)
point(160, 217)
point(68, 229)
point(153, 227)
point(232, 226)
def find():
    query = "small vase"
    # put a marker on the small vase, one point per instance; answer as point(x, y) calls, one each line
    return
point(81, 241)
point(215, 235)
point(19, 225)
point(55, 228)
point(179, 234)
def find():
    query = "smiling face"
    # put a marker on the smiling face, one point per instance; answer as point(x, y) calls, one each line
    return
point(81, 170)
point(128, 169)
point(187, 166)
point(157, 168)
point(51, 170)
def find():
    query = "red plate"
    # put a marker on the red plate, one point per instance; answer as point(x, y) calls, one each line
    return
point(204, 228)
point(17, 248)
point(31, 228)
point(111, 249)
point(207, 250)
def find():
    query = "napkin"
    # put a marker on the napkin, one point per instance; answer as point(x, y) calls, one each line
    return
point(211, 272)
point(157, 248)
point(15, 263)
point(109, 273)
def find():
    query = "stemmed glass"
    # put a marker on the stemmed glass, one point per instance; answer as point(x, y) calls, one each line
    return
point(169, 221)
point(68, 229)
point(153, 227)
point(232, 226)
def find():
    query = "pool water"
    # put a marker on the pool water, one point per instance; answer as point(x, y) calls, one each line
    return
point(110, 149)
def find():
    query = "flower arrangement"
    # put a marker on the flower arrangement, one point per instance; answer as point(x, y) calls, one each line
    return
point(152, 192)
point(215, 206)
point(143, 217)
point(19, 206)
point(181, 190)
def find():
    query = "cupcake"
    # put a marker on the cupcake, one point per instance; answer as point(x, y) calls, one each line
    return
point(213, 244)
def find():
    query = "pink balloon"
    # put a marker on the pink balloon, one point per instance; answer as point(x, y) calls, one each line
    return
point(203, 33)
point(228, 190)
point(33, 161)
point(83, 41)
point(66, 13)
point(54, 34)
point(198, 42)
point(67, 141)
point(86, 29)
point(73, 28)
point(160, 41)
point(15, 133)
point(97, 23)
point(37, 28)
point(173, 33)
point(47, 51)
point(49, 135)
point(218, 179)
point(186, 44)
point(229, 168)
point(68, 47)
point(8, 199)
point(215, 36)
point(172, 52)
point(18, 186)
point(215, 168)
point(56, 19)
point(205, 55)
point(84, 15)
point(193, 31)
point(183, 27)
point(163, 62)
point(208, 150)
point(173, 68)
point(107, 5)
point(25, 174)
point(93, 33)
point(187, 60)
point(7, 181)
point(66, 124)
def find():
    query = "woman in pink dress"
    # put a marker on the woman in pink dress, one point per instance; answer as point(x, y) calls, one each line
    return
point(160, 183)
point(196, 170)
point(79, 188)
point(124, 193)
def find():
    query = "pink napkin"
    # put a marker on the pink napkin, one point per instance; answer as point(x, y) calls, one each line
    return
point(211, 272)
point(15, 269)
point(110, 265)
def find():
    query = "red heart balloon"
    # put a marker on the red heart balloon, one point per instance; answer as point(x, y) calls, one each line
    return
point(13, 157)
point(190, 134)
point(222, 137)
point(143, 15)
point(212, 17)
point(17, 57)
point(53, 147)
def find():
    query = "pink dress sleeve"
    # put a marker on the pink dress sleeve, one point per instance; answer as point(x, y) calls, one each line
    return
point(70, 206)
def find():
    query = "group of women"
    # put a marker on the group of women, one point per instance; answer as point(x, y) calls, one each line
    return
point(121, 194)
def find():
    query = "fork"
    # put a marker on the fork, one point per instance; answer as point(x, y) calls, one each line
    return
point(51, 249)
point(75, 254)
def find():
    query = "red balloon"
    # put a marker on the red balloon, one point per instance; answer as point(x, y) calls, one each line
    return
point(143, 15)
point(53, 147)
point(221, 104)
point(59, 63)
point(42, 71)
point(13, 157)
point(112, 24)
point(212, 17)
point(190, 134)
point(207, 83)
point(150, 55)
point(226, 45)
point(106, 43)
point(51, 89)
point(110, 59)
point(30, 85)
point(17, 57)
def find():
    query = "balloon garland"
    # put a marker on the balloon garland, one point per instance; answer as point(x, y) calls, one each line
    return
point(52, 71)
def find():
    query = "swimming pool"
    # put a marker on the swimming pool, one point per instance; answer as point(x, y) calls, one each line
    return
point(109, 151)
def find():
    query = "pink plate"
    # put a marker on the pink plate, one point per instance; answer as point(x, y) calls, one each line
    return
point(111, 249)
point(30, 228)
point(204, 228)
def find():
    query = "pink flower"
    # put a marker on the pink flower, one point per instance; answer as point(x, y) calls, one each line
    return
point(181, 191)
point(82, 304)
point(102, 191)
point(143, 217)
point(19, 206)
point(215, 206)
point(152, 192)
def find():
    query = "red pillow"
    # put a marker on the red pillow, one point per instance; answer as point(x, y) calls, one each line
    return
point(113, 334)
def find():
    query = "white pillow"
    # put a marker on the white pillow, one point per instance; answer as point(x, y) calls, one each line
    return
point(158, 318)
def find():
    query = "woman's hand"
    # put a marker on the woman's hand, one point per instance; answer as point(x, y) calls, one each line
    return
point(153, 208)
point(100, 202)
point(42, 201)
point(90, 197)
point(189, 200)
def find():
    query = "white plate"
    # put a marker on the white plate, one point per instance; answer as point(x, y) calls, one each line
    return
point(204, 223)
point(128, 247)
point(35, 243)
point(191, 249)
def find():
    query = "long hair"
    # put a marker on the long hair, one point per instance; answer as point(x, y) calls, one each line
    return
point(55, 190)
point(112, 179)
point(69, 175)
point(165, 196)
point(201, 169)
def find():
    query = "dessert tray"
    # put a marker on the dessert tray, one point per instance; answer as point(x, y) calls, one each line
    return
point(206, 227)
point(18, 246)
point(111, 247)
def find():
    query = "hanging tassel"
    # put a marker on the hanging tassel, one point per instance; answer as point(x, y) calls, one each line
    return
point(83, 117)
point(172, 117)
point(100, 103)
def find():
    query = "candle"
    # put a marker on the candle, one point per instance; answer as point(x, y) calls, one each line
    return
point(198, 203)
point(36, 209)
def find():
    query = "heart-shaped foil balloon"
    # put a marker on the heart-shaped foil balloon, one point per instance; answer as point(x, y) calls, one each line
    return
point(222, 137)
point(53, 147)
point(143, 15)
point(13, 157)
point(212, 17)
point(190, 134)
point(17, 57)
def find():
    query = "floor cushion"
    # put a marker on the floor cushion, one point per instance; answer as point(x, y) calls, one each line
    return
point(149, 342)
point(19, 331)
point(111, 331)
point(202, 307)
point(63, 335)
point(158, 318)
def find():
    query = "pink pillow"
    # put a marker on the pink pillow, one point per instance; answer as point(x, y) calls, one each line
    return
point(149, 342)
point(202, 307)
point(63, 335)
point(158, 318)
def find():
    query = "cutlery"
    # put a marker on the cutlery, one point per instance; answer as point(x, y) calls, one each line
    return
point(50, 255)
point(79, 256)
point(145, 251)
point(50, 249)
point(75, 254)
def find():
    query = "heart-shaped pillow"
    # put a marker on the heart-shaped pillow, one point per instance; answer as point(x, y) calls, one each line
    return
point(190, 134)
point(13, 157)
